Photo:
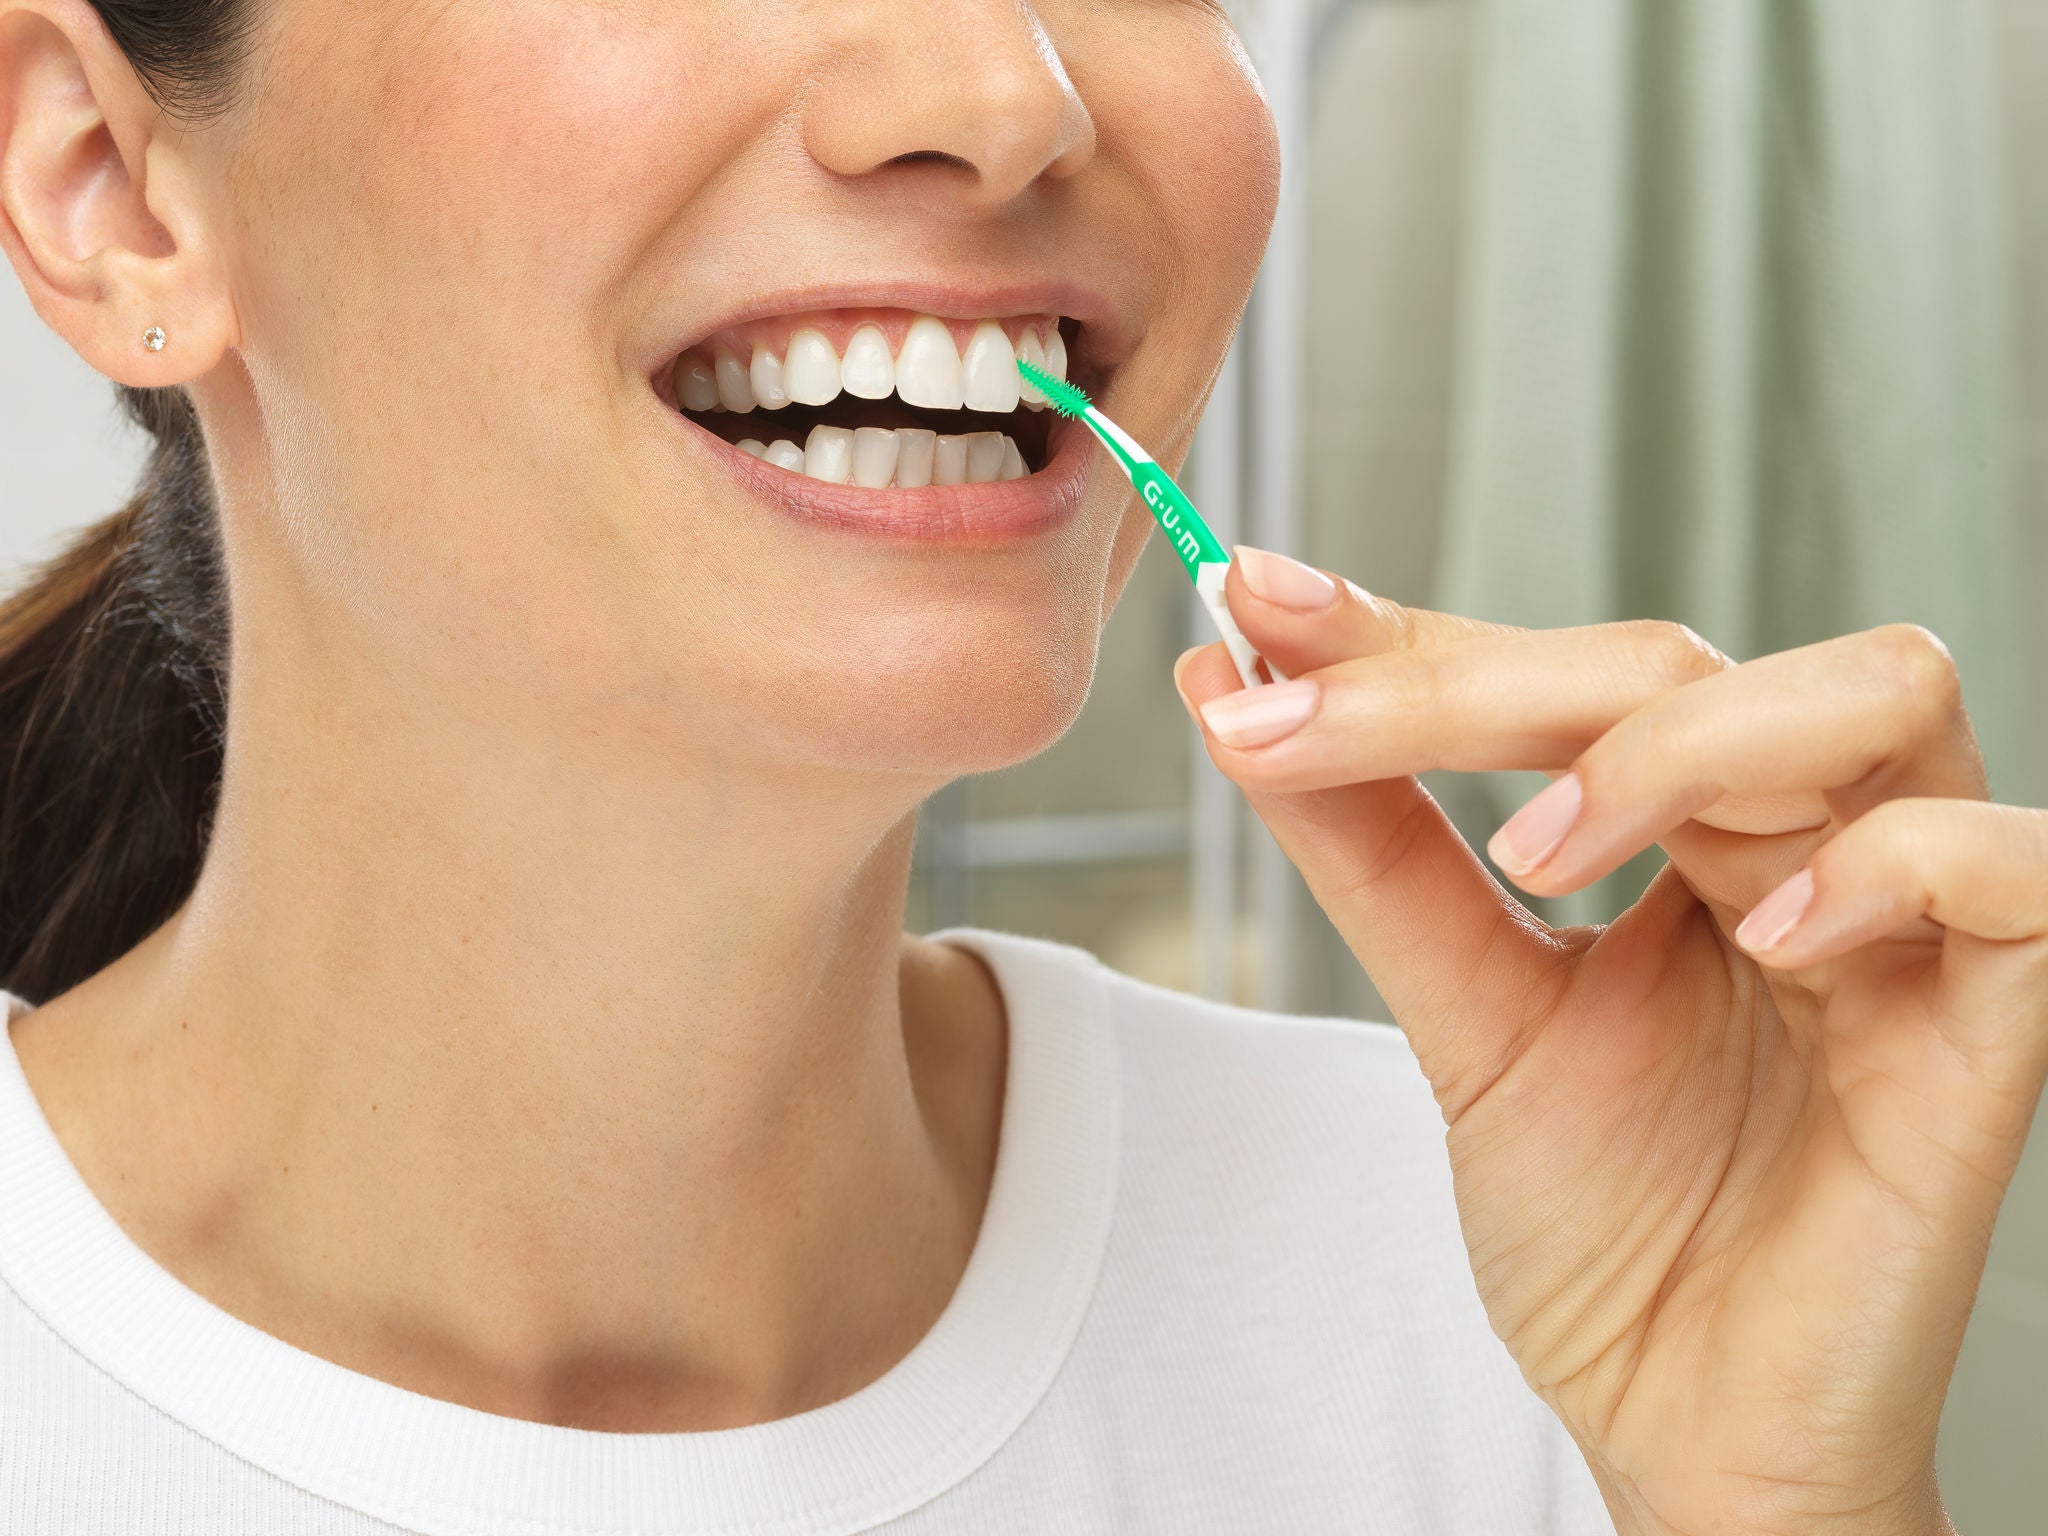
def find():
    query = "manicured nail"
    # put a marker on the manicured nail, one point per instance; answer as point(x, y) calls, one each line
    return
point(1283, 582)
point(1539, 828)
point(1774, 918)
point(1258, 717)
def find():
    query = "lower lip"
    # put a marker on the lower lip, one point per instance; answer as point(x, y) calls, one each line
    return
point(999, 512)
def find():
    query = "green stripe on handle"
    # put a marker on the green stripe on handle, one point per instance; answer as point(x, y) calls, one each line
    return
point(1176, 515)
point(1178, 520)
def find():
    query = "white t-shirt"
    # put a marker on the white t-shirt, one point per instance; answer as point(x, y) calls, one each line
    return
point(1219, 1288)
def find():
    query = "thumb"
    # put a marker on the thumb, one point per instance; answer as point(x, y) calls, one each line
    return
point(1464, 967)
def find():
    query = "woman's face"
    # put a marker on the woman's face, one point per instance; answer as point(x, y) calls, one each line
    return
point(471, 240)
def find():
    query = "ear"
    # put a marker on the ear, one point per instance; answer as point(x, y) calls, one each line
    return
point(102, 203)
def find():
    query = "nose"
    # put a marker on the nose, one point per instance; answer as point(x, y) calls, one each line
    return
point(967, 97)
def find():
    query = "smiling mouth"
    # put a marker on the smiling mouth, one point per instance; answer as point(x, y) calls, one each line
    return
point(879, 399)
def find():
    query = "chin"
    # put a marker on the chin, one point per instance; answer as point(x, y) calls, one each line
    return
point(937, 702)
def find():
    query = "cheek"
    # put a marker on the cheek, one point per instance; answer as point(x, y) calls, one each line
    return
point(1236, 225)
point(1225, 196)
point(1192, 153)
point(489, 168)
point(443, 209)
point(1192, 129)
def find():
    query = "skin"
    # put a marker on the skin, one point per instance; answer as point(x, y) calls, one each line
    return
point(522, 1046)
point(1727, 1189)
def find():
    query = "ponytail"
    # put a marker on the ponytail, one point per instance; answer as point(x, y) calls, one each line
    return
point(113, 663)
point(113, 659)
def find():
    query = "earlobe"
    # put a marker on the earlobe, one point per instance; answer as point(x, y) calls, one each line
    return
point(97, 211)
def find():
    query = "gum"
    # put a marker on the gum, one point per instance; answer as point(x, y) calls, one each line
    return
point(838, 326)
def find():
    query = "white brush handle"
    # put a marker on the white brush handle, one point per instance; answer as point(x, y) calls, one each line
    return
point(1209, 588)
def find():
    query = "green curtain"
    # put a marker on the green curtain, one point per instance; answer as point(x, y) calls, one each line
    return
point(1736, 340)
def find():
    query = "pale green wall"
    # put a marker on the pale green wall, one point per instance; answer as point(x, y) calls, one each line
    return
point(1394, 125)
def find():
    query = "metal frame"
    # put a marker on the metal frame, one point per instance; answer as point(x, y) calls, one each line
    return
point(1280, 35)
point(1216, 469)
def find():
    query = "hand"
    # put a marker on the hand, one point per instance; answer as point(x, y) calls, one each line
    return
point(1727, 1185)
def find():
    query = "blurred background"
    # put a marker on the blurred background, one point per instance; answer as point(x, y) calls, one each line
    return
point(1727, 311)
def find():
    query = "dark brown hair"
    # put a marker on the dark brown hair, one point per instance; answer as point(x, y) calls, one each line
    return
point(113, 659)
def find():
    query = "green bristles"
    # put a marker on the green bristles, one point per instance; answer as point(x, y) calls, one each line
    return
point(1067, 399)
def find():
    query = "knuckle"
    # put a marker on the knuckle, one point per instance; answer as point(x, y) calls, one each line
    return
point(1894, 825)
point(1660, 735)
point(1673, 650)
point(1391, 626)
point(1917, 668)
point(1886, 845)
point(1416, 686)
point(2019, 833)
point(1364, 871)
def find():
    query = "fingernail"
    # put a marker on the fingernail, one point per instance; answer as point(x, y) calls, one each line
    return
point(1258, 717)
point(1774, 918)
point(1283, 582)
point(1539, 828)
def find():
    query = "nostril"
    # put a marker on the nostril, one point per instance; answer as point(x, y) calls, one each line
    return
point(932, 157)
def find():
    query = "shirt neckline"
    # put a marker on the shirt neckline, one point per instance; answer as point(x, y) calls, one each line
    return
point(443, 1469)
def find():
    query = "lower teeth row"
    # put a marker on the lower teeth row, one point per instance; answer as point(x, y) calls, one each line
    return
point(907, 458)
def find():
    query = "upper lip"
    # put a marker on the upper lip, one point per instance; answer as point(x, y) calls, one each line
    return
point(1108, 333)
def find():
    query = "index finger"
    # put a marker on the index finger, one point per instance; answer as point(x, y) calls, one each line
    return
point(1463, 966)
point(1302, 619)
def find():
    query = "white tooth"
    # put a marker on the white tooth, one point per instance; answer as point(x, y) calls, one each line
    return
point(828, 454)
point(914, 450)
point(988, 371)
point(765, 378)
point(1032, 351)
point(874, 456)
point(928, 367)
point(949, 461)
point(734, 392)
point(811, 371)
point(1055, 353)
point(755, 446)
point(984, 457)
point(785, 454)
point(696, 384)
point(867, 369)
point(1013, 461)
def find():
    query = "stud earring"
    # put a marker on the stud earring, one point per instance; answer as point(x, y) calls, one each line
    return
point(153, 338)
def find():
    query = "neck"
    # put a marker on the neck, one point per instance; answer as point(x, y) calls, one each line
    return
point(575, 1083)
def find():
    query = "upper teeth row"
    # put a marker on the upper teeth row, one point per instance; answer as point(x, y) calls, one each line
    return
point(930, 370)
